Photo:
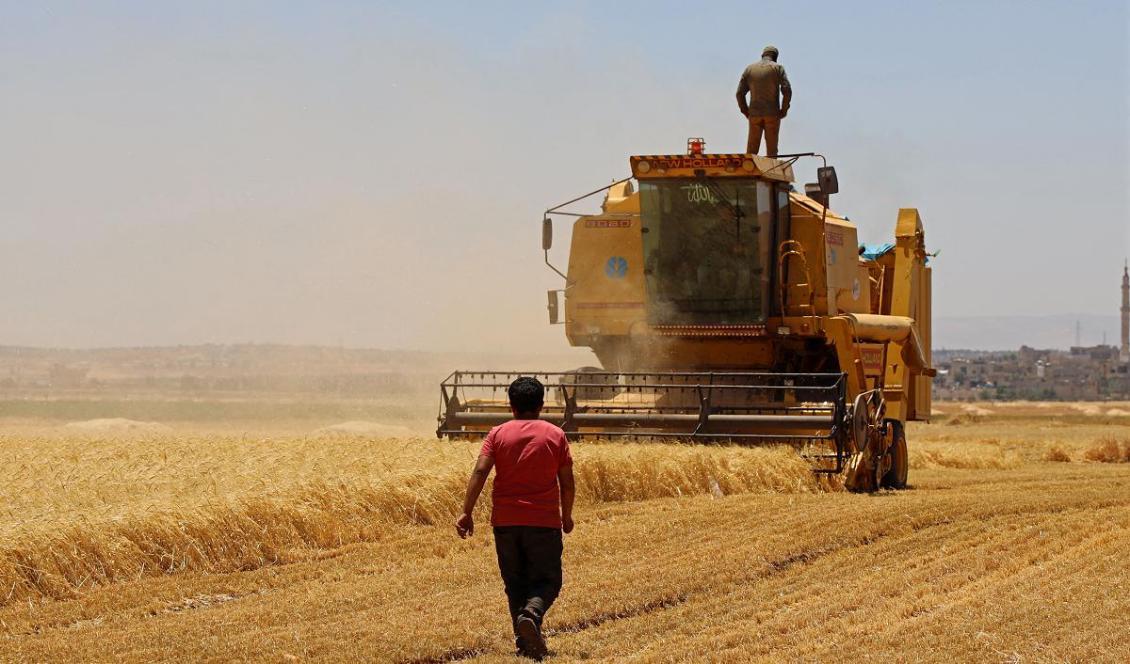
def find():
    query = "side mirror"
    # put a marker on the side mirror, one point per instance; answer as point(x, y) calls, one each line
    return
point(829, 183)
point(546, 234)
point(554, 310)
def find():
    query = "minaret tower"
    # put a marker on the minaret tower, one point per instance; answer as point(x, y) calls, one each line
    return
point(1124, 354)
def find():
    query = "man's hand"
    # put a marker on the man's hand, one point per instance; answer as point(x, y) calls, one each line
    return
point(784, 111)
point(568, 491)
point(465, 525)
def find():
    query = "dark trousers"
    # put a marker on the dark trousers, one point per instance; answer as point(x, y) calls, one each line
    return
point(530, 561)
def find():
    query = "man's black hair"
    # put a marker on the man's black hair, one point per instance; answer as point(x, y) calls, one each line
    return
point(526, 394)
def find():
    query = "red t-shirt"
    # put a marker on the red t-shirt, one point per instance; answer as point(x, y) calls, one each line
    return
point(527, 455)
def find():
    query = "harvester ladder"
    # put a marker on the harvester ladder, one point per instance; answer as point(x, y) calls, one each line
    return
point(795, 250)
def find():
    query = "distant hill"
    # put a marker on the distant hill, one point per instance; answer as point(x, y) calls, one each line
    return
point(255, 367)
point(1012, 332)
point(241, 367)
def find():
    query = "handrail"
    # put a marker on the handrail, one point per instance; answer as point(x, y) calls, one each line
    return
point(786, 250)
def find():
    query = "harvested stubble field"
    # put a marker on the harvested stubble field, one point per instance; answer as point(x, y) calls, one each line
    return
point(192, 543)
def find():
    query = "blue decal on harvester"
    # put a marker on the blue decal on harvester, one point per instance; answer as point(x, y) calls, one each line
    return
point(616, 267)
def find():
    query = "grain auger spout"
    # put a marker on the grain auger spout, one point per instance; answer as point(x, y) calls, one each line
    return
point(724, 306)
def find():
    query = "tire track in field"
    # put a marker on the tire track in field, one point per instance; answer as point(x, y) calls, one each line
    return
point(856, 615)
point(1033, 567)
point(953, 514)
point(770, 568)
point(973, 562)
point(968, 515)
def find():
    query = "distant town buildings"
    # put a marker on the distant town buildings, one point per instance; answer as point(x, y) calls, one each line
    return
point(1091, 373)
point(1083, 373)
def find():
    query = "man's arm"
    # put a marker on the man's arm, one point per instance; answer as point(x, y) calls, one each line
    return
point(786, 93)
point(465, 524)
point(568, 492)
point(743, 88)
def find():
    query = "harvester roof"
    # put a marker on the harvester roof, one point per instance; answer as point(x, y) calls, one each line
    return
point(712, 165)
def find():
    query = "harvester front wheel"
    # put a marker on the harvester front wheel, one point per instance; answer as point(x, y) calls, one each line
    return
point(895, 478)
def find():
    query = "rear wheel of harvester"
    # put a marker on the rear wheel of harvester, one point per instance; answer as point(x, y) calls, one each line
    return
point(895, 478)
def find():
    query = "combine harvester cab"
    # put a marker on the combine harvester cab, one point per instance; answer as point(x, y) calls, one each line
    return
point(725, 306)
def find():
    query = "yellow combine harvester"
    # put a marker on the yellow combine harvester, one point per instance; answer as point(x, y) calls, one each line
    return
point(725, 306)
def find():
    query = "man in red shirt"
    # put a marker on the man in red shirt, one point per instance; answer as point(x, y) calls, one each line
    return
point(532, 505)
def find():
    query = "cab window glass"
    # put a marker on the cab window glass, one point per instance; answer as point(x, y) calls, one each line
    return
point(706, 250)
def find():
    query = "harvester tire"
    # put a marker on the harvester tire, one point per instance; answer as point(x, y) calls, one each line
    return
point(895, 478)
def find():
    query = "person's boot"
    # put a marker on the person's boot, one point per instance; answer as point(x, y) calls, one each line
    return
point(530, 638)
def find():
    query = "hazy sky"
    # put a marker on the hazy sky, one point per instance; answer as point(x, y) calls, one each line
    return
point(374, 174)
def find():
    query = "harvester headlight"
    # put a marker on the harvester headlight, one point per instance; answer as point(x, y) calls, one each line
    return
point(644, 166)
point(747, 165)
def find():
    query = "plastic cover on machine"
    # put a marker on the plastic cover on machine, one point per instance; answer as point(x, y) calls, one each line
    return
point(874, 251)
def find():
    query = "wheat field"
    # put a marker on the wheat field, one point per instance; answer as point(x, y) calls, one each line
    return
point(205, 543)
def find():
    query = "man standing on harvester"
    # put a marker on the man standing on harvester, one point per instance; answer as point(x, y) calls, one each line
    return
point(532, 505)
point(769, 97)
